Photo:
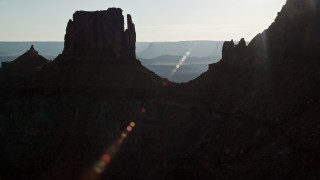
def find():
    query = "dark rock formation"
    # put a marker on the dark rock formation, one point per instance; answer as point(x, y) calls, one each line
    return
point(99, 53)
point(294, 33)
point(21, 72)
point(231, 52)
point(130, 36)
point(253, 115)
point(28, 63)
point(242, 43)
point(100, 34)
point(227, 48)
point(273, 82)
point(286, 53)
point(73, 107)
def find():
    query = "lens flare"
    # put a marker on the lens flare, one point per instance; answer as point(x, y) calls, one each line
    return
point(120, 141)
point(99, 167)
point(132, 124)
point(179, 64)
point(129, 128)
point(106, 158)
point(110, 151)
point(124, 135)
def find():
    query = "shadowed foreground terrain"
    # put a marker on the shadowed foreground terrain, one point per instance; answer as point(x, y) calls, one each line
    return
point(96, 113)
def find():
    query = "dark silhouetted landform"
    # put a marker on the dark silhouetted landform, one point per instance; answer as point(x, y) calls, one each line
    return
point(95, 113)
point(100, 33)
point(166, 55)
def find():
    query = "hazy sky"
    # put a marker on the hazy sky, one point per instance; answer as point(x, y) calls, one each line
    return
point(156, 20)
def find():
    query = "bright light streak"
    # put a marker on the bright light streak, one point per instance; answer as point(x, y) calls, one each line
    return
point(180, 63)
point(105, 158)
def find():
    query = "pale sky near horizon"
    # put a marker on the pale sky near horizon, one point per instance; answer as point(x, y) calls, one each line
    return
point(155, 20)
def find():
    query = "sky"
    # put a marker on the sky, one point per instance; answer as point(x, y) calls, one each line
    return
point(155, 20)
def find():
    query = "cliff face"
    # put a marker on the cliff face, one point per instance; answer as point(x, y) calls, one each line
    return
point(100, 34)
point(274, 80)
point(293, 35)
point(277, 67)
point(273, 83)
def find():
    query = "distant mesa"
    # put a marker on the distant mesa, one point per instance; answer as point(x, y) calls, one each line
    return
point(100, 34)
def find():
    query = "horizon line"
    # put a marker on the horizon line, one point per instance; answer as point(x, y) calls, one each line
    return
point(41, 41)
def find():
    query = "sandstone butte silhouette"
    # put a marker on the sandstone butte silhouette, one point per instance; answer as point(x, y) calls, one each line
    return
point(252, 115)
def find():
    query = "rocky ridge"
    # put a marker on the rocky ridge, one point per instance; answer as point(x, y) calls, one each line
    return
point(284, 53)
point(25, 65)
point(274, 82)
point(253, 115)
